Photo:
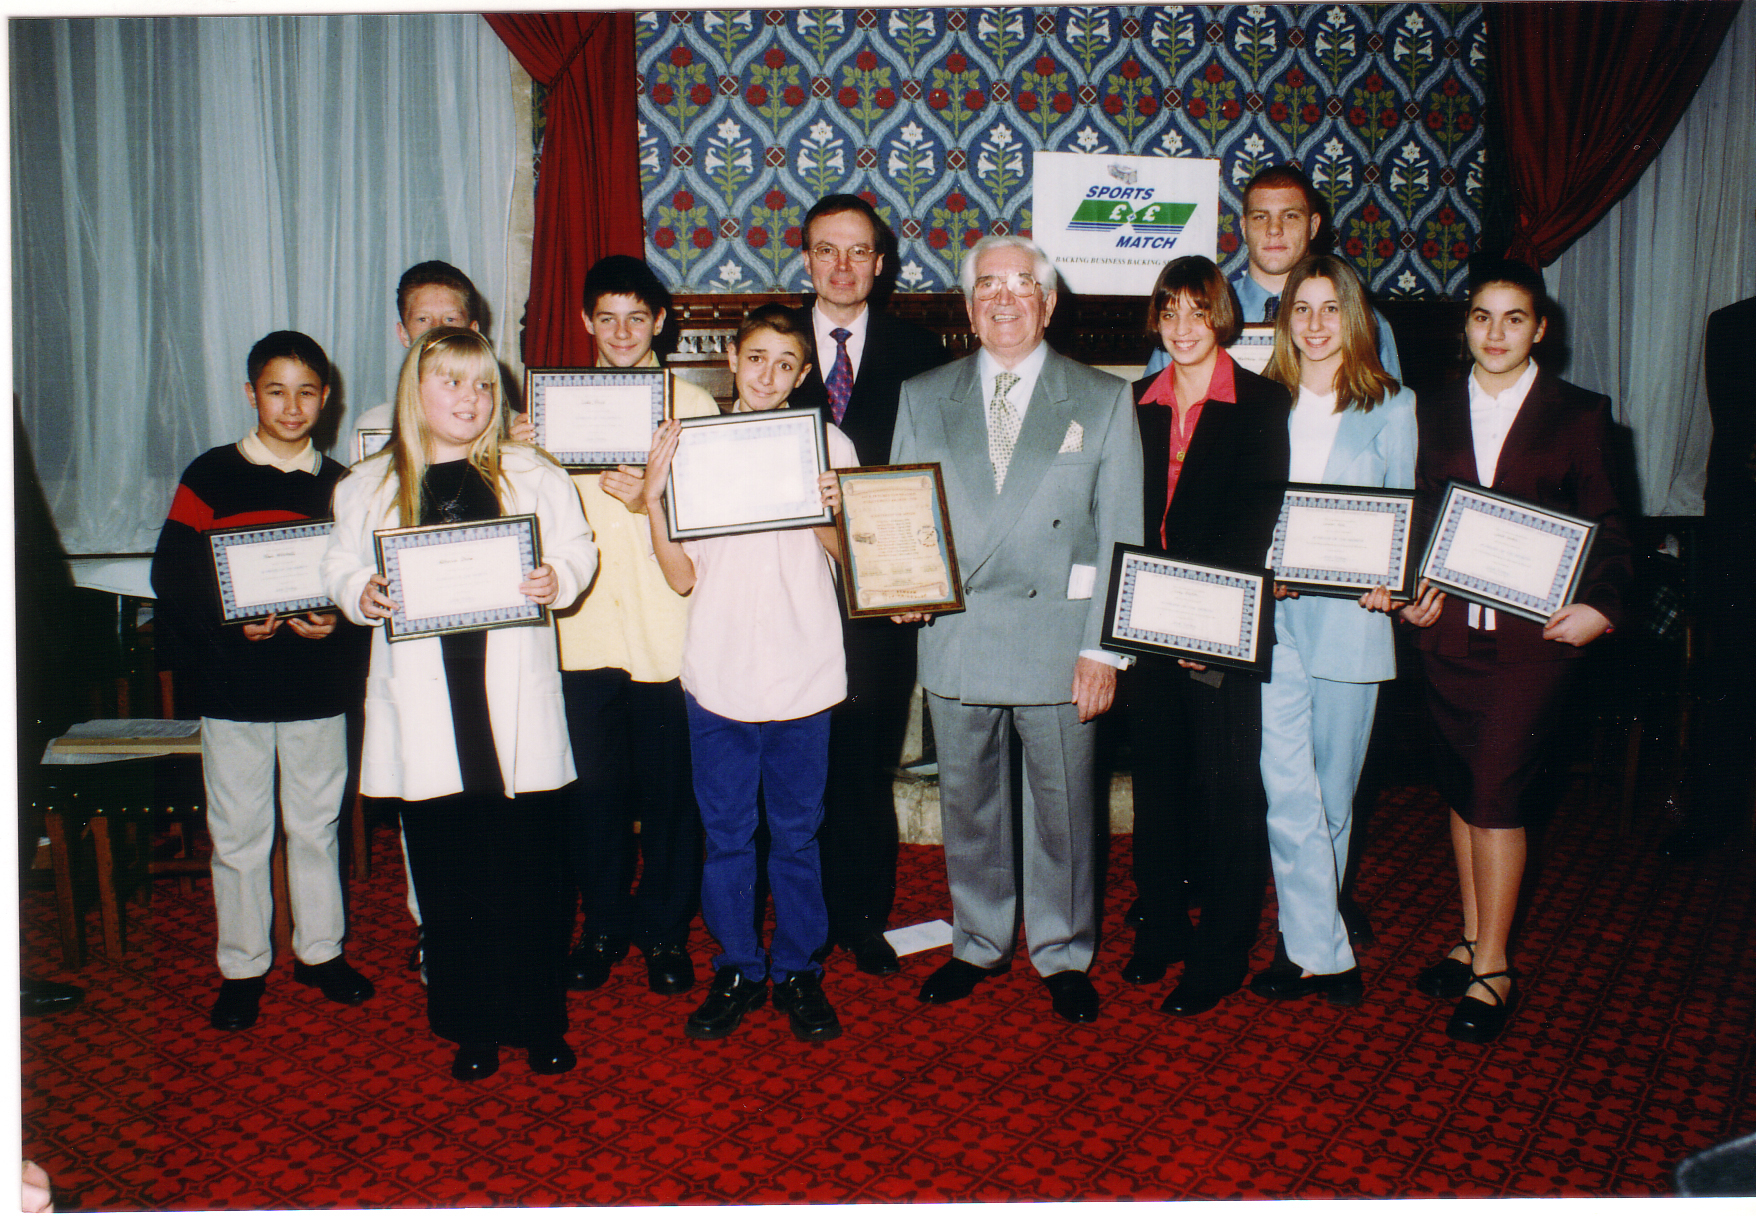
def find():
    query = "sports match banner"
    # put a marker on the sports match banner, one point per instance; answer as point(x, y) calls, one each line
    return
point(1111, 222)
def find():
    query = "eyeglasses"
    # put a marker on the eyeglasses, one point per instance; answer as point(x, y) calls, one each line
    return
point(859, 255)
point(1018, 283)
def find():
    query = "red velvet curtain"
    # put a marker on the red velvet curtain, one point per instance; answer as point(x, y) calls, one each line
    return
point(588, 180)
point(1587, 95)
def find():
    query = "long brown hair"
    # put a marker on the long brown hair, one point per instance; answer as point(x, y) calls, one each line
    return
point(463, 352)
point(1360, 382)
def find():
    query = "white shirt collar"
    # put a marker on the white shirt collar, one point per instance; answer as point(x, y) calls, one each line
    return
point(306, 460)
point(821, 327)
point(1027, 371)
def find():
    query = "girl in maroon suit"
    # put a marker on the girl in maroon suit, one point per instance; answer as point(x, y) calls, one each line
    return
point(1496, 683)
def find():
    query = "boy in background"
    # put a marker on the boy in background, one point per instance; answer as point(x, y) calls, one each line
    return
point(266, 692)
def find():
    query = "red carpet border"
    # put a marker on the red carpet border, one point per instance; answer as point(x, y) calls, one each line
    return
point(1632, 1049)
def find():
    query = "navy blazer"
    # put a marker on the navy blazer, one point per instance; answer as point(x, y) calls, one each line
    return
point(895, 350)
point(1556, 455)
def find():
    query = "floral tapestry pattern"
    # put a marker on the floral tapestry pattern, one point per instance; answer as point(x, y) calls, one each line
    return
point(747, 117)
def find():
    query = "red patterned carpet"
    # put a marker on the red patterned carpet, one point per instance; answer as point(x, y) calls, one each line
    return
point(1633, 1049)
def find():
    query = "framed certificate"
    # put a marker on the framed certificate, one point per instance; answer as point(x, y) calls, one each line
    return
point(369, 441)
point(597, 417)
point(1254, 348)
point(1344, 540)
point(1207, 614)
point(457, 578)
point(896, 549)
point(1506, 553)
point(751, 472)
point(276, 569)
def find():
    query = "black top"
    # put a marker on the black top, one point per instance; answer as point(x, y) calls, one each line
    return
point(454, 492)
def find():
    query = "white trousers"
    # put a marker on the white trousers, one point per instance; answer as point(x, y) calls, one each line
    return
point(238, 761)
point(1314, 737)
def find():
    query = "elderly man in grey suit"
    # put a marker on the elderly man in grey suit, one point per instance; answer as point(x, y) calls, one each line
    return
point(1042, 472)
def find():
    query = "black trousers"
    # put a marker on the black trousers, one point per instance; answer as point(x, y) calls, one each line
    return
point(496, 913)
point(857, 843)
point(1199, 814)
point(631, 747)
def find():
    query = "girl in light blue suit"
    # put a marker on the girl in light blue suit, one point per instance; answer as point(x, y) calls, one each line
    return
point(1351, 424)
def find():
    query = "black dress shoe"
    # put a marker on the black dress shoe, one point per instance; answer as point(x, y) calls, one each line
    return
point(730, 997)
point(1148, 963)
point(40, 997)
point(1359, 929)
point(1287, 984)
point(1478, 1021)
point(589, 964)
point(548, 1058)
point(956, 980)
point(1133, 917)
point(800, 997)
point(1072, 996)
point(1187, 1000)
point(474, 1061)
point(872, 953)
point(1449, 978)
point(238, 1005)
point(336, 980)
point(669, 969)
point(418, 953)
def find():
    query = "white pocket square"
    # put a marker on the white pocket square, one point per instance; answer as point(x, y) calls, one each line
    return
point(1074, 440)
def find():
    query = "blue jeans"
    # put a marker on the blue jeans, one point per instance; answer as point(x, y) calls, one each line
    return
point(788, 762)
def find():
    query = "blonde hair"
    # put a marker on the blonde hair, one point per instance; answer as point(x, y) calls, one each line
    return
point(466, 354)
point(1360, 382)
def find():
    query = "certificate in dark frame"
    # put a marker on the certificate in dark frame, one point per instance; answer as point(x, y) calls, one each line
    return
point(516, 612)
point(1577, 535)
point(221, 542)
point(1132, 564)
point(1365, 499)
point(941, 541)
point(542, 406)
point(804, 425)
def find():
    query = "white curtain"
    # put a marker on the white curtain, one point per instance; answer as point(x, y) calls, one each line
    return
point(1636, 290)
point(183, 186)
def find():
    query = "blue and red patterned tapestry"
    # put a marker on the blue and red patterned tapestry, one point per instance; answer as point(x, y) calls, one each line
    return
point(749, 116)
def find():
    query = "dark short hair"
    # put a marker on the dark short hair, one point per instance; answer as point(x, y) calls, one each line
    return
point(288, 344)
point(1487, 271)
point(788, 322)
point(1199, 279)
point(621, 275)
point(837, 204)
point(1291, 177)
point(438, 274)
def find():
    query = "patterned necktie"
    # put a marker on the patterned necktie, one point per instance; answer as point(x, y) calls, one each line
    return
point(1002, 427)
point(840, 381)
point(1271, 310)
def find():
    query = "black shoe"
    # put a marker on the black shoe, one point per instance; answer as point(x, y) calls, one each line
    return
point(238, 1005)
point(40, 997)
point(549, 1058)
point(872, 953)
point(474, 1061)
point(1072, 996)
point(1187, 999)
point(1149, 962)
point(956, 980)
point(1359, 929)
point(589, 964)
point(1449, 978)
point(1338, 988)
point(336, 980)
point(729, 998)
point(669, 969)
point(1477, 1021)
point(800, 997)
point(418, 953)
point(1133, 918)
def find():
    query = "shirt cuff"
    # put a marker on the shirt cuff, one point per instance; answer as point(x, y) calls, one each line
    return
point(1121, 662)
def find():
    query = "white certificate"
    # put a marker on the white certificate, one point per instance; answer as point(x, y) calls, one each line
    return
point(1202, 612)
point(1159, 605)
point(747, 473)
point(1342, 540)
point(468, 576)
point(456, 578)
point(1506, 553)
point(597, 417)
point(1254, 348)
point(270, 570)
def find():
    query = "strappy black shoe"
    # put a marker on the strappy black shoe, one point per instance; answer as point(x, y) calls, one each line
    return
point(1478, 1021)
point(1449, 978)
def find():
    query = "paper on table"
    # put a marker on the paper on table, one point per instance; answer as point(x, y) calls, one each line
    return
point(912, 939)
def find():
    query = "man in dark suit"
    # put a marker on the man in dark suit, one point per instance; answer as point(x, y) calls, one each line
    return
point(863, 356)
point(1042, 471)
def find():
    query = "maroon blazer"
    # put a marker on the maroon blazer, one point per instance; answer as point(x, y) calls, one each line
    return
point(1556, 455)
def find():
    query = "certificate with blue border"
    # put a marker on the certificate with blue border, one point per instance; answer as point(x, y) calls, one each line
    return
point(369, 441)
point(459, 578)
point(1344, 540)
point(1506, 553)
point(597, 417)
point(751, 472)
point(270, 570)
point(1216, 615)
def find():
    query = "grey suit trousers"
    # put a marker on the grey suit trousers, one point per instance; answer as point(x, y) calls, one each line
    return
point(975, 792)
